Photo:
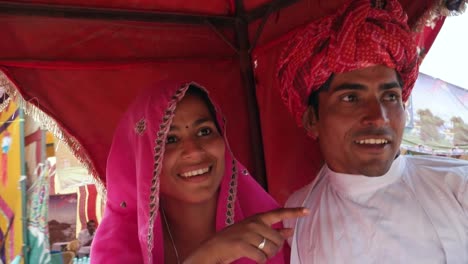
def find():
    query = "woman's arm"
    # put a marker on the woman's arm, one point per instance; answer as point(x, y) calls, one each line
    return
point(252, 238)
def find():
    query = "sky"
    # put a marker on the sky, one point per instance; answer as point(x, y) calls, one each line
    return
point(448, 57)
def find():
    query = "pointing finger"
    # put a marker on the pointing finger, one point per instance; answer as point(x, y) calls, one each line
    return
point(278, 215)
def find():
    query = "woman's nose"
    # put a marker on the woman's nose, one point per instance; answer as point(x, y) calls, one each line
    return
point(191, 147)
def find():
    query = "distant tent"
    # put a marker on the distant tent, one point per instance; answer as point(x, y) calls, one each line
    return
point(437, 118)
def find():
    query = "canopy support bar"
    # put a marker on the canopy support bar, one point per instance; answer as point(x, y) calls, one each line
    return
point(259, 31)
point(267, 9)
point(49, 10)
point(222, 36)
point(248, 78)
point(66, 11)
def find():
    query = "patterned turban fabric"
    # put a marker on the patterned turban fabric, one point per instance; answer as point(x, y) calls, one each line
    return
point(358, 35)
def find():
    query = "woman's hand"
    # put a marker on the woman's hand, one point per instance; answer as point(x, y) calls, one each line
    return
point(254, 238)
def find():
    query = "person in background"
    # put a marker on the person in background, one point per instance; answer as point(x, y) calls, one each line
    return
point(346, 77)
point(86, 237)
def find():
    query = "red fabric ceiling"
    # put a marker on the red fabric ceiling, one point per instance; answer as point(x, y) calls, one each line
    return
point(84, 72)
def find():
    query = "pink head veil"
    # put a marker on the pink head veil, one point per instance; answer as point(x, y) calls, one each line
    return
point(131, 230)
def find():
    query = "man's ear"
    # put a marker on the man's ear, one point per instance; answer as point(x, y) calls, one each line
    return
point(309, 120)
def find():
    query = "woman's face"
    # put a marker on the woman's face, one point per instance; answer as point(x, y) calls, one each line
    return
point(193, 164)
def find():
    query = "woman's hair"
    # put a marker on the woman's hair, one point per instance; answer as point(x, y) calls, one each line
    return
point(197, 91)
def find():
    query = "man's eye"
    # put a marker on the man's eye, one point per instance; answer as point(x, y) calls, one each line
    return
point(392, 97)
point(349, 98)
point(171, 139)
point(204, 132)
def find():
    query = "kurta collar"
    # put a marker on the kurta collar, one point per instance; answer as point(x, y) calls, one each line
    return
point(353, 185)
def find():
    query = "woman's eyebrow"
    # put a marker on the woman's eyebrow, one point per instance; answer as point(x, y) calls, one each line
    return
point(201, 121)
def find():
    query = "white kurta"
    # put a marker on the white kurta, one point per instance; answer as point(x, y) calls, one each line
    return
point(416, 213)
point(84, 238)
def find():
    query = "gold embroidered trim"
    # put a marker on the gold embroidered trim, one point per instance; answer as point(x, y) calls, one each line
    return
point(232, 195)
point(158, 157)
point(5, 85)
point(140, 126)
point(31, 108)
point(5, 102)
point(438, 8)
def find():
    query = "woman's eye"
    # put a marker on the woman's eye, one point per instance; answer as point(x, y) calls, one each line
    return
point(204, 132)
point(349, 98)
point(171, 139)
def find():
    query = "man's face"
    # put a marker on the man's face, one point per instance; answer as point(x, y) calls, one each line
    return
point(91, 227)
point(361, 121)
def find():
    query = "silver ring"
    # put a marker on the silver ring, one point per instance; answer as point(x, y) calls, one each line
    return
point(262, 244)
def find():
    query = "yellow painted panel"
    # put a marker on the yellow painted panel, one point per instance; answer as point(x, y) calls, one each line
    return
point(10, 173)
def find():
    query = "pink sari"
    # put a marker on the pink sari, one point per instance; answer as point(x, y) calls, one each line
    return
point(131, 230)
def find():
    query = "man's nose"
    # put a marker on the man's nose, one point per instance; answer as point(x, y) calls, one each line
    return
point(375, 114)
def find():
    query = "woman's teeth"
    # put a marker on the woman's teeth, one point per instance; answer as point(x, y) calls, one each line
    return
point(195, 172)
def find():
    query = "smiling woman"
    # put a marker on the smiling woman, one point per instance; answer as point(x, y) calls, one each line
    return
point(176, 193)
point(193, 163)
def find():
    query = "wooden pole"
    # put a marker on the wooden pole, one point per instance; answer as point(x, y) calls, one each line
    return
point(245, 60)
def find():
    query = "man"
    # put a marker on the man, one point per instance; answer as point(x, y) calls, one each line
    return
point(86, 238)
point(347, 77)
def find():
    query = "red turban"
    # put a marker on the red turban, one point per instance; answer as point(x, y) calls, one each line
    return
point(358, 35)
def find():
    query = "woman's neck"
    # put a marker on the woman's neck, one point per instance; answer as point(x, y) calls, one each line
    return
point(189, 224)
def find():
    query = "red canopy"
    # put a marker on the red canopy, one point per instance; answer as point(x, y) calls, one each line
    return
point(82, 62)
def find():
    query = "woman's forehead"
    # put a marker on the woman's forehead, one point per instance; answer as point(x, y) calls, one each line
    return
point(192, 110)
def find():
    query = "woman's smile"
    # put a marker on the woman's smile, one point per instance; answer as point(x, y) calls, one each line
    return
point(195, 172)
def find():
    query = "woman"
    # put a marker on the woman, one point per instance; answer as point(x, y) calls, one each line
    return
point(175, 192)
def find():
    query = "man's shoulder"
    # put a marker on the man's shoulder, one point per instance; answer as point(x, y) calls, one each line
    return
point(297, 198)
point(436, 162)
point(439, 169)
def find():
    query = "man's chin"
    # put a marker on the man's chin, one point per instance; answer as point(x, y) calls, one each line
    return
point(373, 174)
point(375, 168)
